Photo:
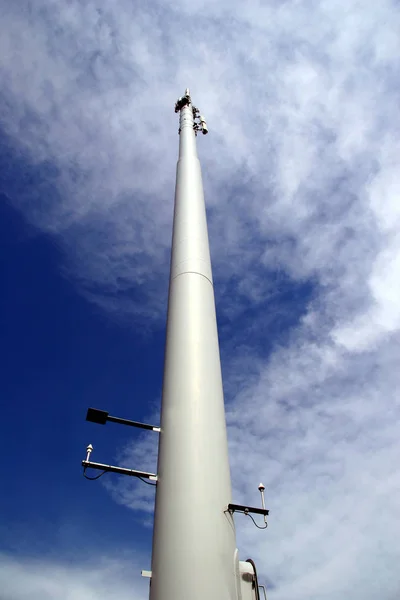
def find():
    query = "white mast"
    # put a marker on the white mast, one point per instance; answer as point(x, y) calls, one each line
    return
point(194, 541)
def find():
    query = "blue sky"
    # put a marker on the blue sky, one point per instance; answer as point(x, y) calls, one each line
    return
point(301, 182)
point(60, 356)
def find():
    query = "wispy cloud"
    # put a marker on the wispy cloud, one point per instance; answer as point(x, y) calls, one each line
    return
point(319, 427)
point(22, 578)
point(302, 187)
point(129, 491)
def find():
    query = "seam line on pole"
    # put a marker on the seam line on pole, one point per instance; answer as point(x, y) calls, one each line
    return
point(193, 273)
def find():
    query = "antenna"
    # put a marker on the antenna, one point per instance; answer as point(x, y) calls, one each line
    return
point(261, 488)
point(199, 122)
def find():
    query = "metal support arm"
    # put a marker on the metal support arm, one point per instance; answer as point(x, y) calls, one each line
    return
point(247, 509)
point(120, 470)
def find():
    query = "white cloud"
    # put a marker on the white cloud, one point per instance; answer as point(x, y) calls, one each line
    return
point(322, 435)
point(128, 491)
point(41, 579)
point(301, 177)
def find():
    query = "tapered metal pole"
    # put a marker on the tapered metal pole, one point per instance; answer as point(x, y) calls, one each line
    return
point(194, 542)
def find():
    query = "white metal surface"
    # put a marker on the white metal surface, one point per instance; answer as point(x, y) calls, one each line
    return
point(248, 582)
point(194, 539)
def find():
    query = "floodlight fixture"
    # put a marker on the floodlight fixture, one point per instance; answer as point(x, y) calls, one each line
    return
point(95, 415)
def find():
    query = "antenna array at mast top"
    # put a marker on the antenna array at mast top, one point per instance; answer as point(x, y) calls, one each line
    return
point(199, 122)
